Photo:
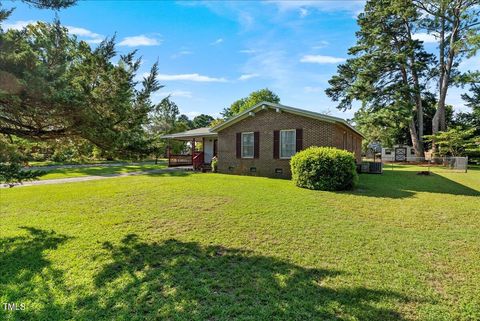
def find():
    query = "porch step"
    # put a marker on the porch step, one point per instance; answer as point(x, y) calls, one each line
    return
point(206, 168)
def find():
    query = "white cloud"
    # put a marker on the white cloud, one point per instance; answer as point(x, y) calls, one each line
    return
point(190, 77)
point(321, 44)
point(304, 12)
point(248, 76)
point(309, 89)
point(352, 6)
point(18, 25)
point(92, 37)
point(141, 40)
point(248, 51)
point(217, 42)
point(319, 59)
point(182, 53)
point(246, 20)
point(273, 64)
point(425, 37)
point(82, 32)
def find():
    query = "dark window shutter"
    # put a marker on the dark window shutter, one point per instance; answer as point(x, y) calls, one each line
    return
point(256, 144)
point(239, 145)
point(299, 142)
point(276, 143)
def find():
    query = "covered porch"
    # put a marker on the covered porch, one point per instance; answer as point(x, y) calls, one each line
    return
point(198, 158)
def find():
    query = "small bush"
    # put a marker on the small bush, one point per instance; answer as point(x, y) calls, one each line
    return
point(324, 168)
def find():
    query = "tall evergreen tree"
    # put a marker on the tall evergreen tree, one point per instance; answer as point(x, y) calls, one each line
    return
point(388, 67)
point(54, 86)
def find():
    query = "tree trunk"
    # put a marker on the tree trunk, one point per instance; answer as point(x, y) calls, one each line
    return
point(439, 121)
point(411, 125)
point(418, 143)
point(414, 136)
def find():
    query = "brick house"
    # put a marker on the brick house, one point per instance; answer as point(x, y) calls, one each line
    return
point(261, 140)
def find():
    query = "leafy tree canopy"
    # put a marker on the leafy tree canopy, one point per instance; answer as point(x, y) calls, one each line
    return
point(455, 142)
point(202, 120)
point(250, 101)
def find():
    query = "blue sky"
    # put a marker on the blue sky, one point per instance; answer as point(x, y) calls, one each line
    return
point(213, 53)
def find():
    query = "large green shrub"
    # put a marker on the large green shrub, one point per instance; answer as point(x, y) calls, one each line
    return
point(324, 168)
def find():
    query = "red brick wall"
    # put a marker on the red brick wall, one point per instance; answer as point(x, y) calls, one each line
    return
point(315, 133)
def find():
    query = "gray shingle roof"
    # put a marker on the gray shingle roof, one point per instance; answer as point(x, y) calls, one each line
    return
point(193, 133)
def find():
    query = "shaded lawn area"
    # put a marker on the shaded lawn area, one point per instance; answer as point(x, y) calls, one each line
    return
point(222, 247)
point(55, 173)
point(83, 162)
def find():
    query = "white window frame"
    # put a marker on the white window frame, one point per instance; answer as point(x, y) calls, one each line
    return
point(241, 145)
point(294, 142)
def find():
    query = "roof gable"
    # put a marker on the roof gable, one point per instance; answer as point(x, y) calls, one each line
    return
point(267, 105)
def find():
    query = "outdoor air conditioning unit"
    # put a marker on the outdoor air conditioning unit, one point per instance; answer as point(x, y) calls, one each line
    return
point(375, 168)
point(370, 167)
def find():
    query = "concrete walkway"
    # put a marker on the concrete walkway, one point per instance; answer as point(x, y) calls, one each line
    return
point(96, 177)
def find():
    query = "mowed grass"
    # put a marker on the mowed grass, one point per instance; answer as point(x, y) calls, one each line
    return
point(67, 172)
point(179, 246)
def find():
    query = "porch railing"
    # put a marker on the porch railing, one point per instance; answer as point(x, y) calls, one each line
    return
point(197, 160)
point(179, 160)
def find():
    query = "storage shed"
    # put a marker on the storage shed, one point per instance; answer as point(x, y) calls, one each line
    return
point(399, 153)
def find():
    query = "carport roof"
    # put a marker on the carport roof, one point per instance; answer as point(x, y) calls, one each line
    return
point(193, 133)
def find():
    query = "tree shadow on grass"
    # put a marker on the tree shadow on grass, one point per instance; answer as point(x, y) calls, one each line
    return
point(26, 275)
point(403, 184)
point(175, 280)
point(103, 170)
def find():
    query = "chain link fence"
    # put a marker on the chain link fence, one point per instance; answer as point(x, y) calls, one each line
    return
point(446, 163)
point(449, 164)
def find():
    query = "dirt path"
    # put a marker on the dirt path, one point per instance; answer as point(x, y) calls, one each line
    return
point(96, 177)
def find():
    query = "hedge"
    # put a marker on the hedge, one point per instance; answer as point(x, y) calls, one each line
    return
point(324, 168)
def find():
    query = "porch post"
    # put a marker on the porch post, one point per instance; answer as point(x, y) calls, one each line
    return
point(169, 153)
point(193, 150)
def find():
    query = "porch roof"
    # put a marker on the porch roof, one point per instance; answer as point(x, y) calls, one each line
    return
point(190, 134)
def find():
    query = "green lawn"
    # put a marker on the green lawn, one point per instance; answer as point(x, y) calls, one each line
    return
point(54, 173)
point(180, 246)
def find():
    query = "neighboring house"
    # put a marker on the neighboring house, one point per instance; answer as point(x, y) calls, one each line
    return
point(261, 140)
point(399, 153)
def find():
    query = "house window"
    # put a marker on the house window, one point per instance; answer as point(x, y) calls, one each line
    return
point(412, 151)
point(247, 145)
point(388, 152)
point(287, 143)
